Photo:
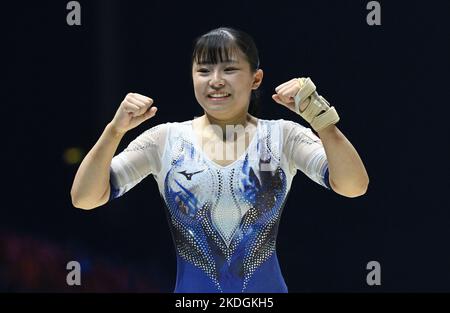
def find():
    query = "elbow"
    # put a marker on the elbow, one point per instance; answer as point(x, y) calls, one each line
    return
point(352, 191)
point(79, 204)
point(86, 203)
point(356, 192)
point(83, 206)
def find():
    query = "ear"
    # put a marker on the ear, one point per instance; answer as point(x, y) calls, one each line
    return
point(257, 80)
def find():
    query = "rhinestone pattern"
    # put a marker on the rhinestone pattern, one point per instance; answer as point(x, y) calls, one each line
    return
point(224, 220)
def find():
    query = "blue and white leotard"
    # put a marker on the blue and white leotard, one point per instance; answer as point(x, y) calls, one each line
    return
point(224, 219)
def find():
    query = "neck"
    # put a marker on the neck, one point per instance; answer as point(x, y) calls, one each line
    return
point(241, 119)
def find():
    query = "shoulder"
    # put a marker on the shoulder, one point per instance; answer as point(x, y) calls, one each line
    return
point(155, 131)
point(160, 131)
point(164, 128)
point(292, 131)
point(286, 126)
point(153, 136)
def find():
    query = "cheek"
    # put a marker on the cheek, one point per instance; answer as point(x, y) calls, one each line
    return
point(196, 86)
point(198, 83)
point(198, 90)
point(243, 83)
point(243, 88)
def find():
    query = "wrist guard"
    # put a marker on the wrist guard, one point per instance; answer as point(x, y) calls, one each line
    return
point(318, 112)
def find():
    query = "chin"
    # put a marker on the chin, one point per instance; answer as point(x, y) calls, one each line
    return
point(216, 107)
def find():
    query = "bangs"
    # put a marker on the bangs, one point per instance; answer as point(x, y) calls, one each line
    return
point(215, 48)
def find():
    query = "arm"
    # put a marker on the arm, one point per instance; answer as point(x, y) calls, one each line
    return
point(91, 187)
point(348, 176)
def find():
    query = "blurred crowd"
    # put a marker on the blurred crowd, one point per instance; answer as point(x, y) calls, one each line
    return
point(29, 264)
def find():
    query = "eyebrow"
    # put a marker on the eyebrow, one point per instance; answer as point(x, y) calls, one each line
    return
point(208, 63)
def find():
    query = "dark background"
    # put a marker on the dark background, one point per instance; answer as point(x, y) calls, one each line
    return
point(63, 84)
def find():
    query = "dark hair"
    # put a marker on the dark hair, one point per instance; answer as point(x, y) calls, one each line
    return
point(219, 45)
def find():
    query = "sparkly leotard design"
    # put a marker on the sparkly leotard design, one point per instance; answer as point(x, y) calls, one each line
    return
point(224, 219)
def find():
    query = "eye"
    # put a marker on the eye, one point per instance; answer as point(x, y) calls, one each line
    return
point(228, 69)
point(203, 70)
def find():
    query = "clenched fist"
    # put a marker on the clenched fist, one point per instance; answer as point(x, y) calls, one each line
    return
point(285, 94)
point(133, 110)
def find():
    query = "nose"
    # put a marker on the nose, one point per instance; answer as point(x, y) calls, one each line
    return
point(216, 81)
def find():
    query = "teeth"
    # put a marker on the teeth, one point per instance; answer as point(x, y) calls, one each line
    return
point(218, 95)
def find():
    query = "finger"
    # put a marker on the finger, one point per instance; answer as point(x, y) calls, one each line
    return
point(130, 107)
point(287, 87)
point(288, 92)
point(148, 101)
point(284, 84)
point(277, 89)
point(291, 91)
point(277, 99)
point(290, 106)
point(150, 113)
point(283, 98)
point(142, 107)
point(136, 101)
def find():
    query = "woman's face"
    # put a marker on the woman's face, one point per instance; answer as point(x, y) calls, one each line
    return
point(223, 89)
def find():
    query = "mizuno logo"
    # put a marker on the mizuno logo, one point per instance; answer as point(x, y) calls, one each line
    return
point(189, 175)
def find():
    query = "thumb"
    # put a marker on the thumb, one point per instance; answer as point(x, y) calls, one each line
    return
point(277, 99)
point(150, 113)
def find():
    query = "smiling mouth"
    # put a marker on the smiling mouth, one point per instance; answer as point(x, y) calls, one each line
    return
point(218, 97)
